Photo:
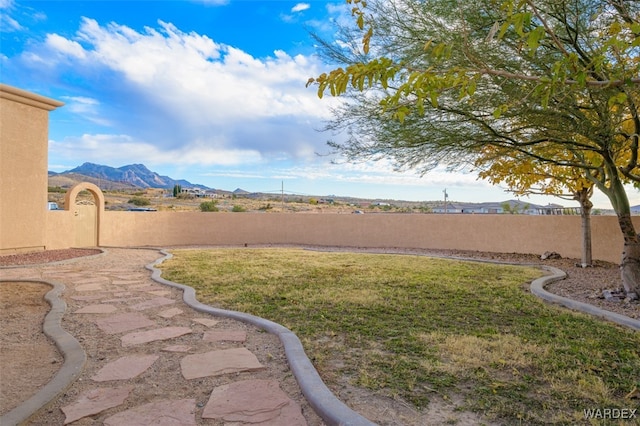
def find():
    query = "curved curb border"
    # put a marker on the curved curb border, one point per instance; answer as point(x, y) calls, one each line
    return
point(74, 356)
point(537, 288)
point(324, 402)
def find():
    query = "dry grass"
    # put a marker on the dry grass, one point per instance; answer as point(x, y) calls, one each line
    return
point(412, 327)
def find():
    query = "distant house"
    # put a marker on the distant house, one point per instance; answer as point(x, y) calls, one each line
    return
point(505, 207)
point(483, 208)
point(199, 193)
point(556, 209)
point(449, 208)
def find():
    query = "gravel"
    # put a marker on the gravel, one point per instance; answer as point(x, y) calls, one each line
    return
point(45, 256)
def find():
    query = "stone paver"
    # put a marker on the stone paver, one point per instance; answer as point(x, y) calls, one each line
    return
point(125, 368)
point(252, 402)
point(225, 336)
point(170, 313)
point(206, 321)
point(101, 308)
point(140, 337)
point(216, 363)
point(152, 303)
point(94, 402)
point(163, 413)
point(123, 322)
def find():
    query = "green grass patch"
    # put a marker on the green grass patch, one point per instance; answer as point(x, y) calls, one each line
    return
point(413, 326)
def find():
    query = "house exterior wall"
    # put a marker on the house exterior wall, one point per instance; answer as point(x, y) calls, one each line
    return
point(24, 126)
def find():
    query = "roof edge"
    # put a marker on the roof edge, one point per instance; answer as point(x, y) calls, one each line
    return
point(28, 98)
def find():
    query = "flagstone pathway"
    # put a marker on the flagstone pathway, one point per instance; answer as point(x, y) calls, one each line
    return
point(151, 359)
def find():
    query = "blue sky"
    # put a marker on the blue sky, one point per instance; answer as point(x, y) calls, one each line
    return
point(208, 91)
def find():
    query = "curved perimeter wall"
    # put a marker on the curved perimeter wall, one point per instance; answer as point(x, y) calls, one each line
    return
point(493, 233)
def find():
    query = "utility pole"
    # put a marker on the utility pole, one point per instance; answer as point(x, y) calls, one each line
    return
point(282, 192)
point(445, 200)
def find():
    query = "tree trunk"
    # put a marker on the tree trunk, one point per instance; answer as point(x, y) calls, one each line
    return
point(585, 212)
point(630, 267)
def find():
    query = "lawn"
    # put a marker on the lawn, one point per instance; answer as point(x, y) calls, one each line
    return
point(413, 327)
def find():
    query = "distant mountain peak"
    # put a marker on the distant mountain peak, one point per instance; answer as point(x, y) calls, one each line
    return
point(134, 174)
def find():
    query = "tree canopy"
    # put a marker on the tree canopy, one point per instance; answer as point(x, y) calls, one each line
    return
point(551, 83)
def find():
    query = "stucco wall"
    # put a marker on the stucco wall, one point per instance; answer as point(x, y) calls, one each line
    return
point(60, 230)
point(24, 126)
point(26, 225)
point(494, 233)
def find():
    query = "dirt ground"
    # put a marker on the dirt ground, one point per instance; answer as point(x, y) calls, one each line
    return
point(29, 360)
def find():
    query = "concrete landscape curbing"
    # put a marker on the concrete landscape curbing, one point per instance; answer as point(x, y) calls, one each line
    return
point(324, 402)
point(74, 357)
point(537, 288)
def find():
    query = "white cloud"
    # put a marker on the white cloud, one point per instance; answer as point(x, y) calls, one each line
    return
point(300, 7)
point(65, 46)
point(7, 23)
point(123, 149)
point(380, 173)
point(88, 108)
point(82, 100)
point(176, 89)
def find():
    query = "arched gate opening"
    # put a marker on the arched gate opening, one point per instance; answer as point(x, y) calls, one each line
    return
point(87, 214)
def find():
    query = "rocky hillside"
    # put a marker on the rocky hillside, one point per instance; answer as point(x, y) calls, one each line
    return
point(132, 175)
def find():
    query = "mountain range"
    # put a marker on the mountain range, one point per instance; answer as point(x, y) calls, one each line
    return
point(136, 175)
point(139, 176)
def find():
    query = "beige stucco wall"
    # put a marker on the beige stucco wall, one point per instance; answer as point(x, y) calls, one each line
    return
point(26, 224)
point(60, 229)
point(494, 233)
point(24, 127)
point(76, 225)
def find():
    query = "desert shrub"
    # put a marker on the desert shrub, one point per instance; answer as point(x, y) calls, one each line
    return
point(238, 209)
point(139, 201)
point(57, 189)
point(209, 206)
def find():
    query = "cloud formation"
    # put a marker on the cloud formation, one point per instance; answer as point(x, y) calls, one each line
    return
point(300, 7)
point(182, 92)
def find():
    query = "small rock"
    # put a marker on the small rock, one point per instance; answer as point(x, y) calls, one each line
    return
point(614, 295)
point(550, 255)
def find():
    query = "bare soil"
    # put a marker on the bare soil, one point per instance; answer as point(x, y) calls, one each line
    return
point(28, 360)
